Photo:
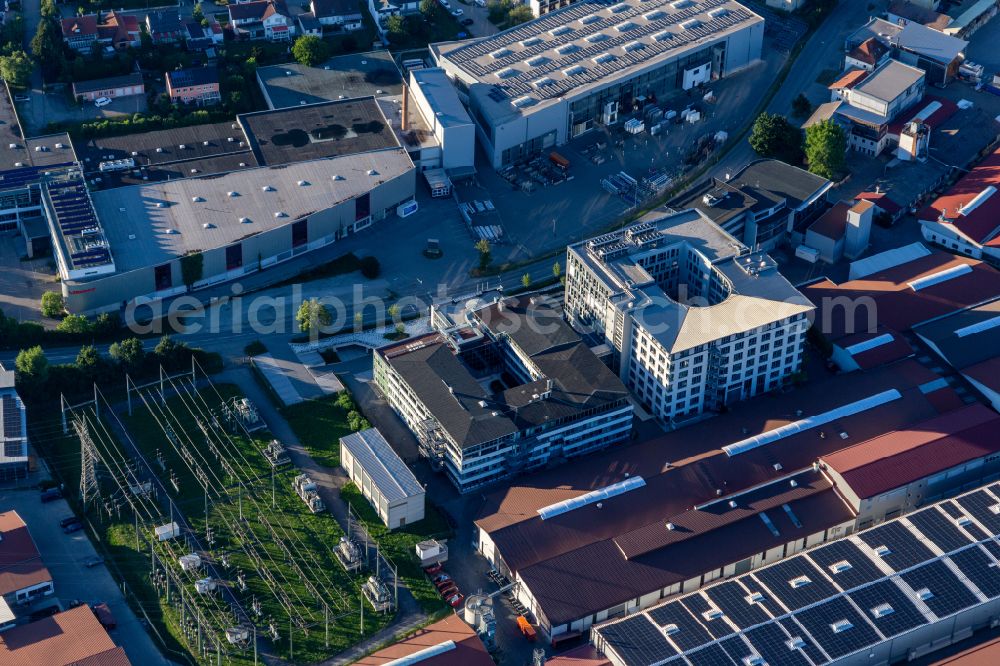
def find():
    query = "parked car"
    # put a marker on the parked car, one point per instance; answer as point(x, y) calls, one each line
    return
point(73, 527)
point(102, 101)
point(445, 4)
point(479, 3)
point(51, 495)
point(440, 577)
point(449, 590)
point(457, 12)
point(434, 569)
point(456, 601)
point(444, 583)
point(466, 21)
point(67, 520)
point(93, 561)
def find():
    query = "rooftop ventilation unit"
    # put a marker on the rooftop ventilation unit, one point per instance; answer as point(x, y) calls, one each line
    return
point(795, 643)
point(963, 521)
point(995, 509)
point(978, 327)
point(681, 4)
point(303, 183)
point(536, 61)
point(712, 614)
point(244, 220)
point(841, 626)
point(624, 27)
point(560, 30)
point(718, 12)
point(542, 82)
point(671, 527)
point(336, 177)
point(754, 598)
point(208, 225)
point(267, 188)
point(372, 172)
point(195, 170)
point(799, 581)
point(171, 231)
point(197, 199)
point(204, 143)
point(840, 567)
point(159, 150)
point(883, 551)
point(670, 629)
point(977, 200)
point(754, 660)
point(232, 194)
point(182, 146)
point(924, 594)
point(882, 610)
point(135, 153)
point(280, 214)
point(160, 204)
point(939, 277)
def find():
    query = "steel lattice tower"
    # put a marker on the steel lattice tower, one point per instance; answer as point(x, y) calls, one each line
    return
point(89, 489)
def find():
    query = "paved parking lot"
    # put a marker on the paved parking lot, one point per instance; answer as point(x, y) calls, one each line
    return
point(64, 554)
point(22, 282)
point(55, 106)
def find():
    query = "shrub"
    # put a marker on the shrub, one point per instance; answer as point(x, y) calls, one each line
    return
point(53, 305)
point(255, 348)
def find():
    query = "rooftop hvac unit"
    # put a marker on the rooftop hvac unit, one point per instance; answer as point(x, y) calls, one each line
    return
point(182, 146)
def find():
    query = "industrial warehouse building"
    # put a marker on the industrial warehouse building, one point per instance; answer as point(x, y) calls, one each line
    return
point(695, 319)
point(271, 186)
point(382, 477)
point(622, 529)
point(506, 388)
point(543, 82)
point(892, 593)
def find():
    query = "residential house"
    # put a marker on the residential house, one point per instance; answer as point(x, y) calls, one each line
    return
point(23, 575)
point(118, 31)
point(343, 13)
point(309, 24)
point(111, 87)
point(202, 38)
point(938, 54)
point(196, 85)
point(867, 55)
point(262, 19)
point(165, 27)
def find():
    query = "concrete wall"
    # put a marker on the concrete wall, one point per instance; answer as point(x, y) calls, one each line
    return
point(259, 251)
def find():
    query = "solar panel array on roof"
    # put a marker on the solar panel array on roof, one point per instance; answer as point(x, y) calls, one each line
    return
point(73, 214)
point(584, 31)
point(932, 565)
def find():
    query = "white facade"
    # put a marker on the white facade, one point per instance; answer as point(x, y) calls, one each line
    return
point(442, 111)
point(692, 330)
point(383, 478)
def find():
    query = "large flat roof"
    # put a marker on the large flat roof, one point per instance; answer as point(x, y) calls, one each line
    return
point(383, 466)
point(441, 96)
point(51, 150)
point(589, 43)
point(683, 469)
point(830, 603)
point(967, 337)
point(136, 219)
point(344, 77)
point(889, 81)
point(310, 132)
point(182, 152)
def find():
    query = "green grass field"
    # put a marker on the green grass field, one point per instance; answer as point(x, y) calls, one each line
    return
point(319, 424)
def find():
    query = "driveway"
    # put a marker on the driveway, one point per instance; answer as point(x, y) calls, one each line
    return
point(63, 554)
point(481, 26)
point(51, 105)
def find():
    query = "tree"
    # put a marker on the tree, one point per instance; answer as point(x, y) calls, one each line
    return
point(16, 69)
point(483, 247)
point(196, 13)
point(89, 360)
point(310, 50)
point(526, 280)
point(31, 364)
point(428, 7)
point(129, 353)
point(826, 144)
point(773, 136)
point(556, 270)
point(53, 304)
point(519, 14)
point(75, 325)
point(801, 106)
point(171, 353)
point(47, 46)
point(192, 267)
point(394, 24)
point(393, 311)
point(312, 316)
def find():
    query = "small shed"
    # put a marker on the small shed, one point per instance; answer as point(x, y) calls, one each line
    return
point(384, 479)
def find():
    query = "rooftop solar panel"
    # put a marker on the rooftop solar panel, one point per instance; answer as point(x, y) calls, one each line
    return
point(885, 606)
point(980, 568)
point(950, 595)
point(738, 650)
point(711, 655)
point(951, 509)
point(730, 598)
point(837, 640)
point(808, 645)
point(978, 504)
point(771, 643)
point(787, 580)
point(638, 641)
point(861, 570)
point(940, 529)
point(711, 616)
point(993, 548)
point(905, 550)
point(686, 632)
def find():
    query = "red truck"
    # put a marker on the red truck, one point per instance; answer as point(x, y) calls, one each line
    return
point(559, 160)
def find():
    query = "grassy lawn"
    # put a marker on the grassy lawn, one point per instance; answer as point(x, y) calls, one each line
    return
point(319, 424)
point(399, 545)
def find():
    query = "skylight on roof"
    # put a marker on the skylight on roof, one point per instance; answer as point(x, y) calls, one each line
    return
point(596, 37)
point(670, 629)
point(795, 643)
point(501, 53)
point(690, 24)
point(754, 660)
point(978, 327)
point(754, 598)
point(789, 429)
point(633, 46)
point(840, 567)
point(882, 610)
point(603, 58)
point(522, 102)
point(560, 30)
point(506, 73)
point(924, 594)
point(624, 26)
point(663, 36)
point(536, 61)
point(574, 70)
point(841, 626)
point(531, 41)
point(590, 18)
point(619, 8)
point(939, 277)
point(593, 496)
point(712, 614)
point(566, 49)
point(799, 581)
point(883, 551)
point(718, 12)
point(654, 15)
point(542, 82)
point(871, 343)
point(681, 4)
point(977, 200)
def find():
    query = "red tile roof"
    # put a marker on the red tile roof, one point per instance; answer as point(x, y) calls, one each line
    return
point(882, 200)
point(849, 80)
point(20, 564)
point(986, 373)
point(833, 222)
point(79, 25)
point(869, 51)
point(981, 223)
point(585, 655)
point(905, 456)
point(469, 650)
point(931, 111)
point(895, 350)
point(71, 637)
point(896, 305)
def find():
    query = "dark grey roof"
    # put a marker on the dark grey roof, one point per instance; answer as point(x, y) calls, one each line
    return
point(325, 8)
point(133, 79)
point(165, 21)
point(194, 76)
point(315, 131)
point(471, 415)
point(793, 184)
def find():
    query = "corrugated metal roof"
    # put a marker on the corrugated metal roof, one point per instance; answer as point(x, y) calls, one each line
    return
point(469, 650)
point(387, 470)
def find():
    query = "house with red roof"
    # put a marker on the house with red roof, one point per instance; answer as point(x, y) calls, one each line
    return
point(867, 55)
point(966, 218)
point(23, 576)
point(118, 31)
point(74, 637)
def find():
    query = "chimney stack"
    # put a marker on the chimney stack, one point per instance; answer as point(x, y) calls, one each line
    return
point(404, 123)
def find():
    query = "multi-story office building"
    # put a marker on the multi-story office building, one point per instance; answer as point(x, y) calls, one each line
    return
point(696, 320)
point(507, 387)
point(593, 63)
